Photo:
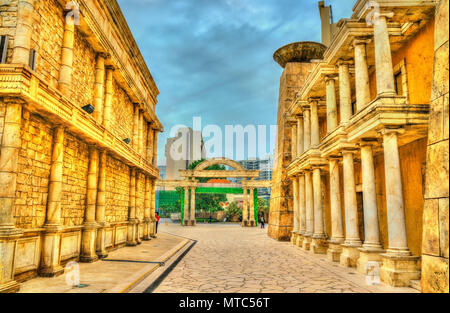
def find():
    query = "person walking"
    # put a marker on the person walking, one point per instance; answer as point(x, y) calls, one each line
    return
point(157, 221)
point(261, 220)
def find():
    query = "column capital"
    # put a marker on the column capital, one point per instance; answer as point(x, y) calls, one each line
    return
point(342, 62)
point(397, 131)
point(110, 67)
point(368, 142)
point(330, 77)
point(361, 41)
point(315, 100)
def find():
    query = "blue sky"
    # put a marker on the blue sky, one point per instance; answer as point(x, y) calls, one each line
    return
point(213, 58)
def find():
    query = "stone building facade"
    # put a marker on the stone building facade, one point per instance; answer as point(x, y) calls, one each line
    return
point(362, 151)
point(78, 137)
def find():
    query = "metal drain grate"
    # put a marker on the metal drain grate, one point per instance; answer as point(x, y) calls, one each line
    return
point(81, 286)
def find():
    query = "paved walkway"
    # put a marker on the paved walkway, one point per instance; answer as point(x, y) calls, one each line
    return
point(229, 258)
point(113, 276)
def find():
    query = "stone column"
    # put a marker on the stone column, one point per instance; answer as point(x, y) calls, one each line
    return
point(251, 209)
point(302, 210)
point(65, 71)
point(315, 131)
point(345, 93)
point(150, 143)
point(319, 244)
point(9, 155)
point(108, 97)
point(371, 248)
point(186, 218)
point(153, 207)
point(295, 202)
point(101, 205)
point(293, 141)
point(141, 133)
point(99, 87)
point(135, 139)
point(193, 221)
point(307, 128)
point(50, 265)
point(332, 115)
point(399, 266)
point(24, 30)
point(309, 202)
point(245, 209)
point(350, 252)
point(361, 74)
point(138, 220)
point(155, 148)
point(383, 57)
point(88, 241)
point(147, 210)
point(131, 234)
point(337, 231)
point(300, 136)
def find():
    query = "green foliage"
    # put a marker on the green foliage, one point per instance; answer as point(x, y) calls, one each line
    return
point(233, 212)
point(209, 202)
point(263, 208)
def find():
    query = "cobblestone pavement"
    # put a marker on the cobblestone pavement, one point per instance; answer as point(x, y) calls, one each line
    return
point(229, 258)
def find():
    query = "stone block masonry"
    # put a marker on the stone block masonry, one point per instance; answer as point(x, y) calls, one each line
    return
point(65, 174)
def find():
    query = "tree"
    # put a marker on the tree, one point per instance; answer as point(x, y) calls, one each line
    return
point(263, 208)
point(233, 212)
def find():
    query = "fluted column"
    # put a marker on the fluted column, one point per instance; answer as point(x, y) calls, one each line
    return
point(383, 57)
point(24, 29)
point(345, 93)
point(147, 209)
point(307, 128)
point(108, 97)
point(315, 131)
point(293, 141)
point(300, 136)
point(332, 115)
point(101, 206)
point(65, 71)
point(186, 218)
point(131, 234)
point(398, 241)
point(362, 83)
point(88, 248)
point(350, 252)
point(99, 87)
point(193, 221)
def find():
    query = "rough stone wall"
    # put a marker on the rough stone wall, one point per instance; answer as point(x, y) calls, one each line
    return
point(140, 194)
point(117, 190)
point(83, 70)
point(75, 169)
point(47, 37)
point(281, 208)
point(8, 20)
point(33, 171)
point(435, 267)
point(121, 113)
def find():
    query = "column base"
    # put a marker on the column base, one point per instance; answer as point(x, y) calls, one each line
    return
point(366, 256)
point(88, 241)
point(398, 271)
point(244, 223)
point(51, 271)
point(306, 243)
point(334, 251)
point(10, 287)
point(186, 223)
point(349, 255)
point(299, 241)
point(131, 233)
point(252, 223)
point(193, 223)
point(294, 237)
point(319, 245)
point(50, 265)
point(101, 250)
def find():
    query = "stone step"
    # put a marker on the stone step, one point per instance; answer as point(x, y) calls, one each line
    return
point(415, 284)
